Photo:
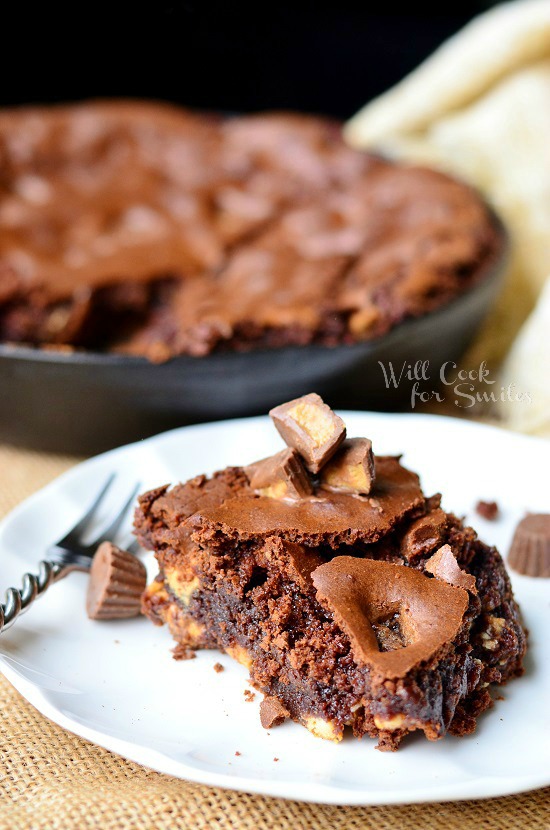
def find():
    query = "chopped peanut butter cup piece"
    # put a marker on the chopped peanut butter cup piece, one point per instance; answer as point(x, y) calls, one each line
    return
point(443, 565)
point(351, 468)
point(424, 535)
point(395, 616)
point(281, 476)
point(311, 427)
point(117, 581)
point(530, 549)
point(272, 712)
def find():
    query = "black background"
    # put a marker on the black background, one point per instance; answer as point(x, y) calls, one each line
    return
point(318, 57)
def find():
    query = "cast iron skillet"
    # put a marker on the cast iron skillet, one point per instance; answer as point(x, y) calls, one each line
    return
point(87, 402)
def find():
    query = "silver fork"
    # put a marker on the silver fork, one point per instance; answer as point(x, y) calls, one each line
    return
point(70, 553)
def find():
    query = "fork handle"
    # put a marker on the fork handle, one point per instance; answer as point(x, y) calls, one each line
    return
point(17, 600)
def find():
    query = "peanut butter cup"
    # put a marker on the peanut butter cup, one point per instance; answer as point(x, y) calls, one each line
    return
point(530, 549)
point(351, 468)
point(280, 476)
point(311, 427)
point(117, 581)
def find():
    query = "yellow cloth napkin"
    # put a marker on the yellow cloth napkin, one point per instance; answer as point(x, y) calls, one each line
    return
point(479, 108)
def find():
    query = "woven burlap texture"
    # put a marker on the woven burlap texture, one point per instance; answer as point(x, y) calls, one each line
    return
point(51, 779)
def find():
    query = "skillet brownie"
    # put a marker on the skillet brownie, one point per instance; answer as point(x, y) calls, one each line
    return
point(147, 229)
point(352, 598)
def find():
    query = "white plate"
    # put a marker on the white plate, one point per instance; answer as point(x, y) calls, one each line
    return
point(116, 684)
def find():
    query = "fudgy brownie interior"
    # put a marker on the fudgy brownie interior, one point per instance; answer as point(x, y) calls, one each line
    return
point(360, 605)
point(148, 229)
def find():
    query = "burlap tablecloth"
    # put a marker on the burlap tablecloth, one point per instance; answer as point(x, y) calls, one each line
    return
point(52, 779)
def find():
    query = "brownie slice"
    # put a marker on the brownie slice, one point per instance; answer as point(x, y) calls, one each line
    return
point(147, 229)
point(381, 613)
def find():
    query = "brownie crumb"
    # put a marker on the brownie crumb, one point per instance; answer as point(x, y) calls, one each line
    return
point(272, 712)
point(181, 652)
point(218, 668)
point(249, 696)
point(488, 510)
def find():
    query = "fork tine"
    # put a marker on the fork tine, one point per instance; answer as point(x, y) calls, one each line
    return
point(110, 531)
point(80, 527)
